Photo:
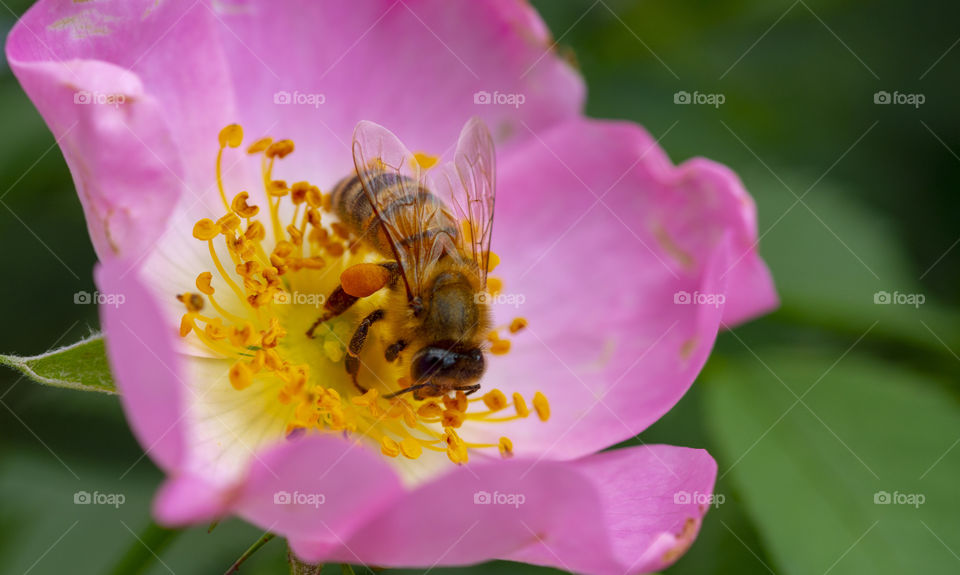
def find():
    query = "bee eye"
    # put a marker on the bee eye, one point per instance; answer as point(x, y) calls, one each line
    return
point(430, 362)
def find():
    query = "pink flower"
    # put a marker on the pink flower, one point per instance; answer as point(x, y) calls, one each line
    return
point(622, 266)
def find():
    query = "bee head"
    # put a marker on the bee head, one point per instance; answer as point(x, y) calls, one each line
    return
point(447, 364)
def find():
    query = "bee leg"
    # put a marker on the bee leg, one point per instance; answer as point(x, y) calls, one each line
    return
point(352, 362)
point(413, 388)
point(467, 389)
point(340, 301)
point(394, 350)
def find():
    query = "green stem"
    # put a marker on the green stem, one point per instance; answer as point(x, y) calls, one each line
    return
point(298, 567)
point(145, 549)
point(246, 554)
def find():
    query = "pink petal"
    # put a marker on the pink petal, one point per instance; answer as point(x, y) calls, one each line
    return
point(750, 290)
point(144, 365)
point(607, 514)
point(440, 522)
point(130, 161)
point(653, 498)
point(187, 69)
point(412, 66)
point(318, 487)
point(188, 499)
point(597, 281)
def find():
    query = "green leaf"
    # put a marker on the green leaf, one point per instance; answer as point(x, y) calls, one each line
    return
point(82, 366)
point(833, 259)
point(809, 471)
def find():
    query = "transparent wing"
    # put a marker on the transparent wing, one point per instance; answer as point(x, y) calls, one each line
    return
point(470, 184)
point(413, 221)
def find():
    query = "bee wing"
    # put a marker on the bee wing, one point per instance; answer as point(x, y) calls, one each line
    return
point(392, 178)
point(470, 184)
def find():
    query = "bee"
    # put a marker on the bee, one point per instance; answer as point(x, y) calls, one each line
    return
point(436, 256)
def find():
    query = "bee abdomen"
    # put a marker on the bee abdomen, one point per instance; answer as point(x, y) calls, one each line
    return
point(402, 200)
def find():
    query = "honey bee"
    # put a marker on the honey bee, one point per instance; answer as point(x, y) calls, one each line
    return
point(436, 256)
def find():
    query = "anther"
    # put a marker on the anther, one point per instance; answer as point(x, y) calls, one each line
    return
point(506, 447)
point(542, 406)
point(205, 230)
point(192, 301)
point(279, 149)
point(231, 136)
point(518, 324)
point(241, 377)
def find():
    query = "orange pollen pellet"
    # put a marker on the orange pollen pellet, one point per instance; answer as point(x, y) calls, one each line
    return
point(363, 280)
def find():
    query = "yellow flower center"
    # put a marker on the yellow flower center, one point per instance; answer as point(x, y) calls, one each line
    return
point(266, 288)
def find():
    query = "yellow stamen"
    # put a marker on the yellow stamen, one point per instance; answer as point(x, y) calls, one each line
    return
point(389, 447)
point(520, 404)
point(506, 447)
point(241, 376)
point(425, 161)
point(542, 406)
point(192, 301)
point(500, 347)
point(517, 324)
point(495, 400)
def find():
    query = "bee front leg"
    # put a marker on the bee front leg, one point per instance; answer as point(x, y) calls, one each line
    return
point(416, 389)
point(394, 350)
point(467, 389)
point(352, 362)
point(338, 302)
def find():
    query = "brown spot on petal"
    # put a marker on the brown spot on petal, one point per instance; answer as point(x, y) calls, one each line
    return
point(671, 247)
point(84, 24)
point(684, 540)
point(687, 348)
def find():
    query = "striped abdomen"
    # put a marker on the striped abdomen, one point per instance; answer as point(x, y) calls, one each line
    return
point(414, 211)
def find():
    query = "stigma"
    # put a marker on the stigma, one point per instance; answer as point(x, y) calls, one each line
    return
point(271, 267)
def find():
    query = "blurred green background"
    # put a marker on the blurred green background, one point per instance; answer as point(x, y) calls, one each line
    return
point(812, 412)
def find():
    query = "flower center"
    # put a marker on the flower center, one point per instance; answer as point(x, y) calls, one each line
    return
point(267, 286)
